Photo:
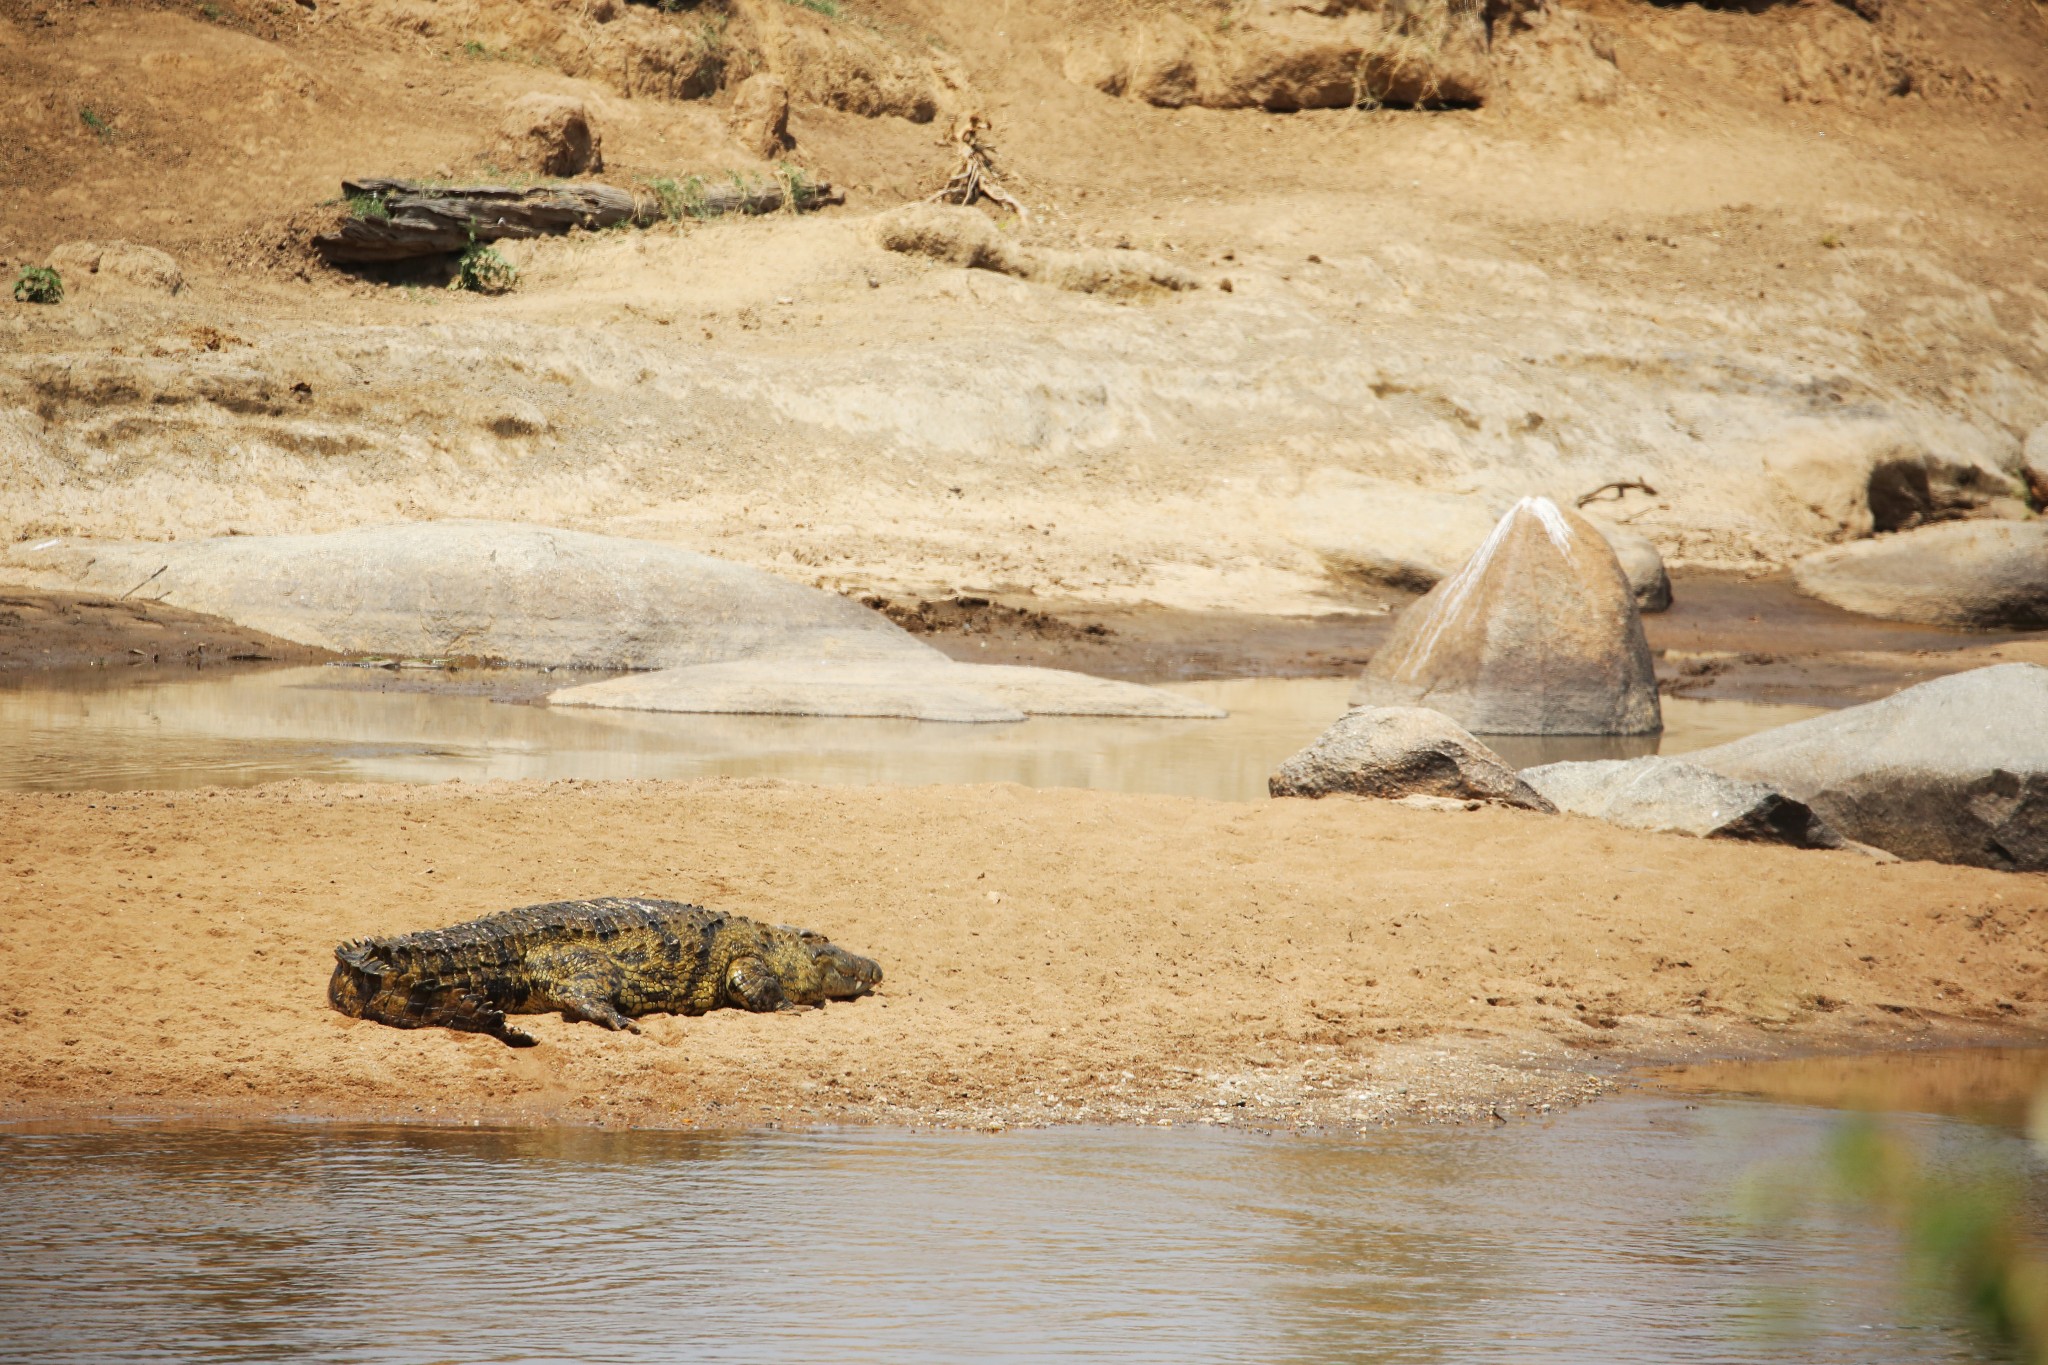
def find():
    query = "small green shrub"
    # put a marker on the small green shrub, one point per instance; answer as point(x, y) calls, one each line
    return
point(97, 122)
point(38, 284)
point(795, 185)
point(828, 8)
point(211, 12)
point(681, 198)
point(368, 206)
point(481, 270)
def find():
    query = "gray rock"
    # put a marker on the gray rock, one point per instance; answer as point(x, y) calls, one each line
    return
point(1400, 751)
point(1537, 634)
point(1954, 770)
point(919, 689)
point(1642, 564)
point(493, 590)
point(1983, 574)
point(1673, 795)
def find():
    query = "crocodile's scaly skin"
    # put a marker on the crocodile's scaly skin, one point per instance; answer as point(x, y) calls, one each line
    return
point(602, 960)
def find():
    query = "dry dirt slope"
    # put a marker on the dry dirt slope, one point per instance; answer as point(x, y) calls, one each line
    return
point(1794, 229)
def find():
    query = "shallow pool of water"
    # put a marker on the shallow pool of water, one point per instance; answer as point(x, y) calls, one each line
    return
point(248, 727)
point(1613, 1233)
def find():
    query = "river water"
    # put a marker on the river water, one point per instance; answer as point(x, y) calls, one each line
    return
point(107, 732)
point(1617, 1232)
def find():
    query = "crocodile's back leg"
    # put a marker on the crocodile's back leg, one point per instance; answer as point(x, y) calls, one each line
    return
point(442, 1007)
point(581, 981)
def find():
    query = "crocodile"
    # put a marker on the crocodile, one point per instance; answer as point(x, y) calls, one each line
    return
point(603, 960)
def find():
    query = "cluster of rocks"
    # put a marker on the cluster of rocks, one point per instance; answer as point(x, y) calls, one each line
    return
point(1922, 537)
point(1537, 634)
point(700, 634)
point(1954, 770)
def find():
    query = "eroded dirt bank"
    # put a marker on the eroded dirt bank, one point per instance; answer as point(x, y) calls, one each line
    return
point(1755, 264)
point(1052, 956)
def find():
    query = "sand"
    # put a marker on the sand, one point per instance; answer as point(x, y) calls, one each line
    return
point(1051, 955)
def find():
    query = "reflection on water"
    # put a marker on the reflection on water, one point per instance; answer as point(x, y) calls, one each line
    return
point(1604, 1235)
point(1988, 1085)
point(243, 728)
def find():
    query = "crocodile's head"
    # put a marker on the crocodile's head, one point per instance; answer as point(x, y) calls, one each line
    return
point(813, 969)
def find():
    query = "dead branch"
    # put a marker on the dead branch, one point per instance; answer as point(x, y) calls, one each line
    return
point(975, 177)
point(1620, 489)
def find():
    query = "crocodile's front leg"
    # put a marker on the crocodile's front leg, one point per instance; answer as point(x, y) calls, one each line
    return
point(581, 981)
point(752, 984)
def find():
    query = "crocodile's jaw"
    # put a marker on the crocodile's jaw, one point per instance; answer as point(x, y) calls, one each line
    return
point(843, 975)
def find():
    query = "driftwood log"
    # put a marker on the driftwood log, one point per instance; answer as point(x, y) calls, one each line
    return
point(395, 220)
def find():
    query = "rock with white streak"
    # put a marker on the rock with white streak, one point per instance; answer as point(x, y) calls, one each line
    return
point(1537, 634)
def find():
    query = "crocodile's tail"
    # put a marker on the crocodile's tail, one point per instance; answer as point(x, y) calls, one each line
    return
point(358, 975)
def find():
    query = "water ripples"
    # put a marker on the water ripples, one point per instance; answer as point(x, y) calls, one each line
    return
point(1605, 1235)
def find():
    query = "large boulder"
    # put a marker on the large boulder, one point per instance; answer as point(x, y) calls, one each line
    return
point(1395, 535)
point(551, 135)
point(918, 689)
point(1983, 574)
point(1537, 634)
point(494, 590)
point(1673, 795)
point(1954, 770)
point(760, 115)
point(1399, 751)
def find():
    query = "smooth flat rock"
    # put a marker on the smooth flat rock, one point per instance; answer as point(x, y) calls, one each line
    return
point(1673, 795)
point(1982, 574)
point(917, 689)
point(1537, 634)
point(1954, 770)
point(1402, 751)
point(1396, 535)
point(480, 589)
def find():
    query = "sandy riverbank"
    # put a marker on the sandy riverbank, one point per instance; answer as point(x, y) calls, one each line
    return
point(1052, 955)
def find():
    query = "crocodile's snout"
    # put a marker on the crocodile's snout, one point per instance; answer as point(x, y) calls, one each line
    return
point(843, 975)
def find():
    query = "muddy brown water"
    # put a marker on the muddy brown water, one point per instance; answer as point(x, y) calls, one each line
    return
point(1616, 1232)
point(109, 732)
